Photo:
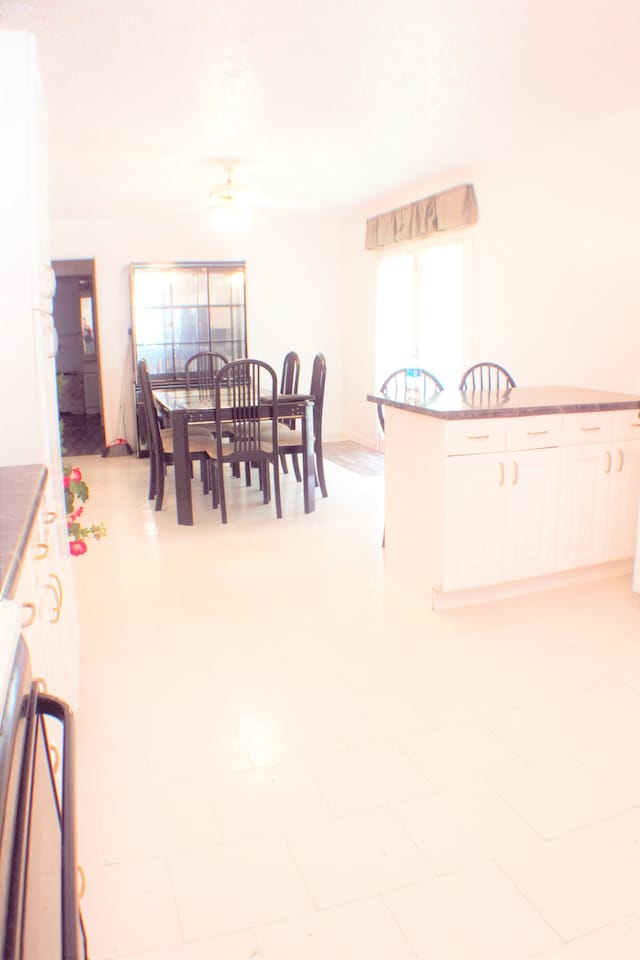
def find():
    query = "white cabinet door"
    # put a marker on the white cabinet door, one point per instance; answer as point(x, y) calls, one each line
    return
point(501, 517)
point(532, 498)
point(474, 520)
point(623, 501)
point(584, 500)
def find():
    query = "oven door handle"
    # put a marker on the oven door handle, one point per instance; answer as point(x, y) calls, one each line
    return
point(50, 706)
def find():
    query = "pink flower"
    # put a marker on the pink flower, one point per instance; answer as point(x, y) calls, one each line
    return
point(67, 481)
point(77, 548)
point(75, 474)
point(77, 513)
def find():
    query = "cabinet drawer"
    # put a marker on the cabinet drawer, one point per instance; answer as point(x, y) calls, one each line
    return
point(475, 436)
point(532, 433)
point(594, 427)
point(626, 425)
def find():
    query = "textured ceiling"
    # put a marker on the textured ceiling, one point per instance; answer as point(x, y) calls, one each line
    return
point(323, 104)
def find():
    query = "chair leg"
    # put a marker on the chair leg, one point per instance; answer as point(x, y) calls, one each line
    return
point(320, 470)
point(213, 484)
point(152, 475)
point(276, 486)
point(283, 463)
point(265, 484)
point(223, 501)
point(296, 466)
point(160, 472)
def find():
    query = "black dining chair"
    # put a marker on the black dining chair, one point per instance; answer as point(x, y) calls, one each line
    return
point(486, 376)
point(289, 384)
point(290, 440)
point(200, 368)
point(244, 388)
point(395, 386)
point(201, 448)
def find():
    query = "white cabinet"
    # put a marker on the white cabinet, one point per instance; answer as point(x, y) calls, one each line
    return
point(501, 514)
point(28, 343)
point(600, 488)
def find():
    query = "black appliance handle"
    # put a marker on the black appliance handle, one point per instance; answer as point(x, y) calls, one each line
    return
point(50, 706)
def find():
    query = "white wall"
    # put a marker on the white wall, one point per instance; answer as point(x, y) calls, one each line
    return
point(293, 291)
point(555, 266)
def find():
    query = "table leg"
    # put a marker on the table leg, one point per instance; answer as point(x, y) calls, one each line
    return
point(308, 470)
point(182, 468)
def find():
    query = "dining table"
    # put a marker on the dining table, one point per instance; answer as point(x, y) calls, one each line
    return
point(182, 405)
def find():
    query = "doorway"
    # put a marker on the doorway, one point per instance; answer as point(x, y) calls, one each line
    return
point(75, 317)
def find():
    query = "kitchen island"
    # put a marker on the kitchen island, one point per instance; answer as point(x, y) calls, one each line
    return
point(495, 492)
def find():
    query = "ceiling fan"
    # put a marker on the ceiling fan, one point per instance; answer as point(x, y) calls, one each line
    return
point(230, 192)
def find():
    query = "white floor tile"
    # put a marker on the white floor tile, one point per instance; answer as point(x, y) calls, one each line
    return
point(578, 882)
point(129, 908)
point(624, 832)
point(266, 799)
point(614, 942)
point(233, 886)
point(470, 914)
point(460, 827)
point(558, 796)
point(452, 754)
point(542, 731)
point(138, 823)
point(365, 777)
point(365, 930)
point(353, 857)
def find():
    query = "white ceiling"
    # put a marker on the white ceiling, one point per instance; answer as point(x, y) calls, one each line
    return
point(324, 103)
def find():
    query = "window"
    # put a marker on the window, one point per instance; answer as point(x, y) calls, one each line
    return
point(180, 309)
point(421, 310)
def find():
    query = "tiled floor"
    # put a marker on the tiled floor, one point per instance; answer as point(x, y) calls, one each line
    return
point(282, 756)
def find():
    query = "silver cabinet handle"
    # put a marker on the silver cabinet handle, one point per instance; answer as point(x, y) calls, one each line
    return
point(590, 429)
point(478, 436)
point(620, 460)
point(538, 433)
point(501, 480)
point(514, 477)
point(608, 467)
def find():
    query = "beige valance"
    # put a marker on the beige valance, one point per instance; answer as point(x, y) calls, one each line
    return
point(449, 210)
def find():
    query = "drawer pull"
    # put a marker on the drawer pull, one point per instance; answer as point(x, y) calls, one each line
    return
point(51, 516)
point(478, 436)
point(514, 478)
point(43, 549)
point(56, 589)
point(590, 429)
point(608, 467)
point(538, 433)
point(30, 610)
point(82, 885)
point(620, 460)
point(501, 480)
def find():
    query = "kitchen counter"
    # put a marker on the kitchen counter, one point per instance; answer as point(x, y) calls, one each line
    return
point(21, 490)
point(517, 402)
point(489, 493)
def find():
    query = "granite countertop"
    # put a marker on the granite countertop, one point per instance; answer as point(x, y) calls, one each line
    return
point(517, 402)
point(21, 489)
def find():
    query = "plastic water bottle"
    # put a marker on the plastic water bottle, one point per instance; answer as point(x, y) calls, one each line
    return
point(413, 393)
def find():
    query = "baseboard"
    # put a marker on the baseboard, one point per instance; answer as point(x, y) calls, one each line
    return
point(501, 591)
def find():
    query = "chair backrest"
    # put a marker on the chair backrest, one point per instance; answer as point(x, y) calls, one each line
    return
point(486, 376)
point(318, 380)
point(241, 386)
point(201, 368)
point(395, 386)
point(150, 413)
point(290, 373)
